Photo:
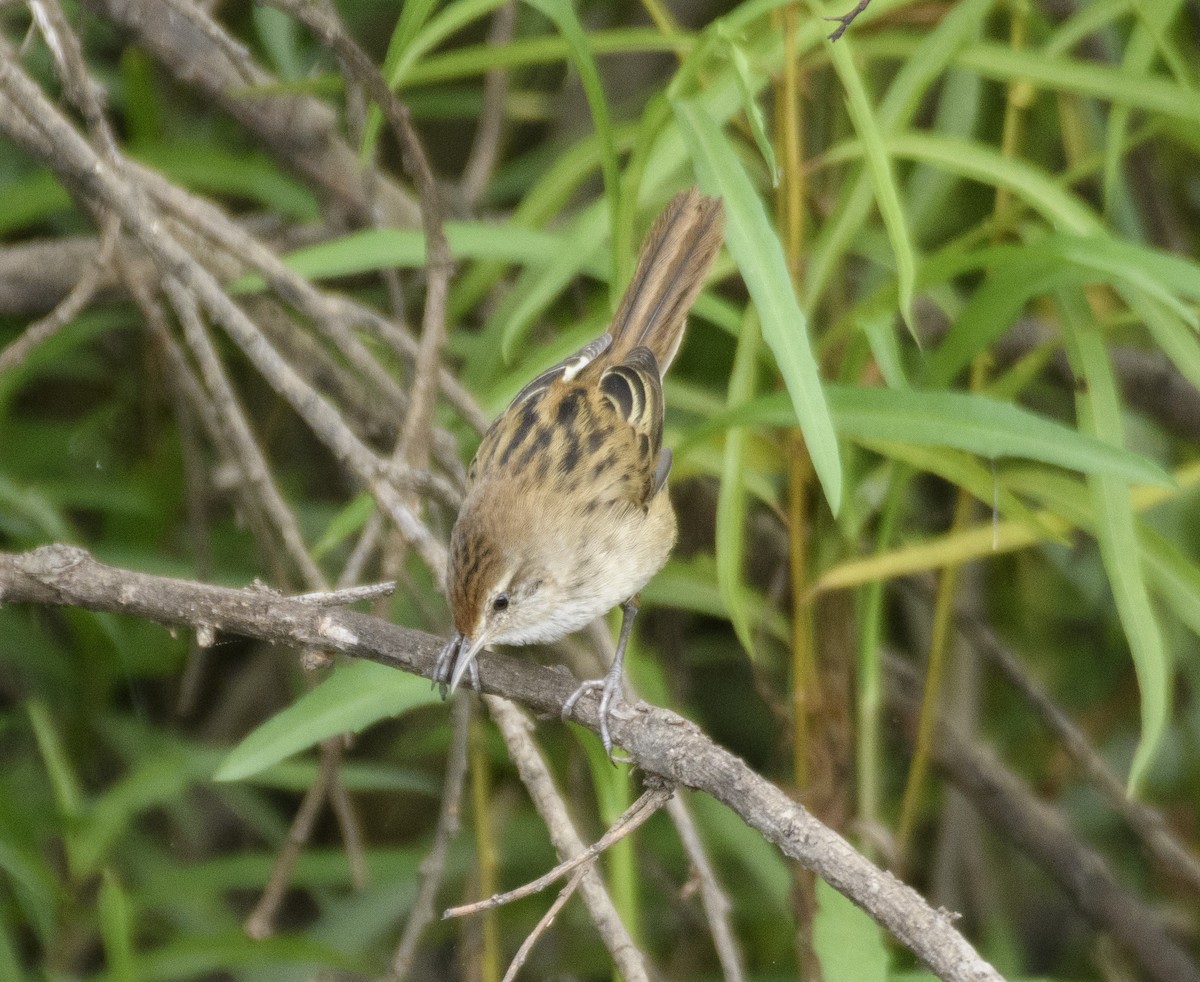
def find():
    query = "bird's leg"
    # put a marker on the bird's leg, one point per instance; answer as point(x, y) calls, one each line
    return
point(445, 663)
point(610, 685)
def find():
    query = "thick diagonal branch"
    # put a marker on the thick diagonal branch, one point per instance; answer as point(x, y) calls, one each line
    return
point(660, 741)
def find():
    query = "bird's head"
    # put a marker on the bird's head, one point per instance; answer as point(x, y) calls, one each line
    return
point(495, 593)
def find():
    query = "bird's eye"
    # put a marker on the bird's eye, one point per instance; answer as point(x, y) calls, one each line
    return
point(501, 602)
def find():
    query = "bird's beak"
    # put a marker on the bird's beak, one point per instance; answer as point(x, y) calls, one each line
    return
point(467, 651)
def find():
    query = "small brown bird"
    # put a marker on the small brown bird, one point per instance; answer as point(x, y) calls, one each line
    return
point(567, 513)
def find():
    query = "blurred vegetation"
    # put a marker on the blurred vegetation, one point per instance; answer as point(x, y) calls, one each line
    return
point(980, 215)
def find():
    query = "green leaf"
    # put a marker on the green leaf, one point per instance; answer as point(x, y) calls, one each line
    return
point(1121, 86)
point(1169, 333)
point(756, 249)
point(731, 496)
point(879, 166)
point(410, 40)
point(225, 952)
point(279, 34)
point(353, 697)
point(537, 288)
point(67, 792)
point(980, 162)
point(563, 16)
point(31, 199)
point(1020, 272)
point(1175, 577)
point(1099, 410)
point(748, 88)
point(966, 421)
point(116, 929)
point(213, 169)
point(848, 943)
point(959, 25)
point(348, 520)
point(691, 585)
point(966, 472)
point(1144, 38)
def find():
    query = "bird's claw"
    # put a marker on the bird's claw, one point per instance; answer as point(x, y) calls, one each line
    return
point(609, 688)
point(443, 668)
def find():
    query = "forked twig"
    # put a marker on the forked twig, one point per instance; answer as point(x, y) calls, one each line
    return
point(434, 863)
point(633, 817)
point(845, 20)
point(543, 925)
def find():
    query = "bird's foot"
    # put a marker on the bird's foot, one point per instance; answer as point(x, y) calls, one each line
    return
point(609, 688)
point(443, 668)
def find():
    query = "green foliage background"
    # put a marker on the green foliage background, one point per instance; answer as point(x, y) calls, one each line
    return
point(954, 168)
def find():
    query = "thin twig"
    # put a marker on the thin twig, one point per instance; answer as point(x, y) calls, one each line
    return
point(714, 900)
point(259, 924)
point(83, 92)
point(845, 20)
point(23, 107)
point(41, 331)
point(248, 453)
point(1006, 803)
point(347, 595)
point(299, 130)
point(1147, 823)
point(485, 150)
point(632, 818)
point(438, 263)
point(543, 925)
point(514, 727)
point(449, 819)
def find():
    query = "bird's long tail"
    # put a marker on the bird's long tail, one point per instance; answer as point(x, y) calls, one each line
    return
point(670, 272)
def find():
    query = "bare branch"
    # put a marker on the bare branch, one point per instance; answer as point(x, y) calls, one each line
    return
point(434, 863)
point(631, 819)
point(1009, 806)
point(662, 742)
point(486, 149)
point(712, 897)
point(514, 726)
point(298, 130)
point(543, 925)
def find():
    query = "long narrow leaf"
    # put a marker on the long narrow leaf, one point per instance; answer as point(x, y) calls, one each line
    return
point(879, 166)
point(731, 500)
point(756, 249)
point(351, 699)
point(563, 15)
point(1116, 531)
point(965, 421)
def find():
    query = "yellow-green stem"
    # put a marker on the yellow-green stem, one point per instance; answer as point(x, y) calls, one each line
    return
point(1020, 97)
point(943, 618)
point(485, 852)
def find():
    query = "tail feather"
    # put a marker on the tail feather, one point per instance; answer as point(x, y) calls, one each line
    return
point(670, 272)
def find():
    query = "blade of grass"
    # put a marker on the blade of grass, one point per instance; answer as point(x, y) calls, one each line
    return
point(1099, 411)
point(756, 249)
point(731, 498)
point(412, 38)
point(1145, 41)
point(116, 929)
point(562, 14)
point(887, 196)
point(351, 699)
point(1114, 83)
point(958, 27)
point(965, 421)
